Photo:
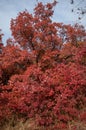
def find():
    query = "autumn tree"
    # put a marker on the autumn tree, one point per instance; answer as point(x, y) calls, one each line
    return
point(42, 70)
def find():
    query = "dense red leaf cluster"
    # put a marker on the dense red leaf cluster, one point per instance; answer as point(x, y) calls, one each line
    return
point(43, 70)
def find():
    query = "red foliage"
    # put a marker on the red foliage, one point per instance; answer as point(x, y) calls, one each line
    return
point(43, 70)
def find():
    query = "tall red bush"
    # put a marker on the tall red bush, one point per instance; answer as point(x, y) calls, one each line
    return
point(43, 69)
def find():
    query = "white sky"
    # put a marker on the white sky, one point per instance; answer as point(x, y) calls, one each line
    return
point(62, 13)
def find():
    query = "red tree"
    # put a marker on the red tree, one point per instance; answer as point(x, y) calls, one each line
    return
point(42, 71)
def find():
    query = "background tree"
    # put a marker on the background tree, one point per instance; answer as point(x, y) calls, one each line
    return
point(79, 8)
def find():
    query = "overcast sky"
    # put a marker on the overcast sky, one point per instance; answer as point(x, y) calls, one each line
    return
point(62, 12)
